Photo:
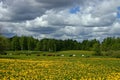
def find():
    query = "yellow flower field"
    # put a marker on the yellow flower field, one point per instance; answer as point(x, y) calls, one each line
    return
point(60, 69)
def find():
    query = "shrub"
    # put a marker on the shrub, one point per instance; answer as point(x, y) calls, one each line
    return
point(97, 49)
point(112, 53)
point(116, 54)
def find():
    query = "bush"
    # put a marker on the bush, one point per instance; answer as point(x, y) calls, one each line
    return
point(111, 53)
point(116, 54)
point(97, 49)
point(108, 53)
point(3, 53)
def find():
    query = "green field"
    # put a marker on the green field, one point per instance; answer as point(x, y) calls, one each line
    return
point(19, 66)
point(33, 54)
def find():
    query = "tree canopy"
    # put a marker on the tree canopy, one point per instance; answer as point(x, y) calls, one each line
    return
point(52, 45)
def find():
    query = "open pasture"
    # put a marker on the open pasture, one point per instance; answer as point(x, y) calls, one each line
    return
point(44, 55)
point(60, 68)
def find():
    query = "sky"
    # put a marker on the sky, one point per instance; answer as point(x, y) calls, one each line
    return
point(61, 19)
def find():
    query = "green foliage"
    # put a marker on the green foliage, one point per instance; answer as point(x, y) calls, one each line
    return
point(89, 44)
point(97, 49)
point(111, 43)
point(15, 43)
point(112, 53)
point(24, 43)
point(116, 54)
point(31, 43)
point(52, 45)
point(4, 45)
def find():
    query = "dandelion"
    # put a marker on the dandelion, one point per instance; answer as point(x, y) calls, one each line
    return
point(59, 69)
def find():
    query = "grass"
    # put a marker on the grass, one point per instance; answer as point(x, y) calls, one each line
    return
point(33, 54)
point(19, 66)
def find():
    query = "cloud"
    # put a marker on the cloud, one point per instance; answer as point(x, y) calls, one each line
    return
point(4, 12)
point(115, 29)
point(57, 3)
point(106, 7)
point(61, 19)
point(30, 9)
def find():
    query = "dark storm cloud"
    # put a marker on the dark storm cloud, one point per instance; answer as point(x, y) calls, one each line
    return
point(58, 3)
point(30, 9)
point(24, 9)
point(43, 30)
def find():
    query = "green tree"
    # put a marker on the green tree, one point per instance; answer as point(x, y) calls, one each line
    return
point(85, 45)
point(1, 45)
point(52, 45)
point(4, 45)
point(15, 43)
point(38, 46)
point(31, 43)
point(44, 44)
point(97, 49)
point(23, 43)
point(107, 44)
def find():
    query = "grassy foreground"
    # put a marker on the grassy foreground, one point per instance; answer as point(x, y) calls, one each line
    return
point(22, 67)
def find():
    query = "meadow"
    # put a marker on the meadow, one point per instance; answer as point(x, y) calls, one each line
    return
point(32, 67)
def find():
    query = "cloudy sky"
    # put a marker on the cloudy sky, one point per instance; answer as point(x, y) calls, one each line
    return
point(60, 19)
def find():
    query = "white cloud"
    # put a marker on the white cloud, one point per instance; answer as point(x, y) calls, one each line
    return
point(37, 22)
point(115, 29)
point(106, 6)
point(44, 18)
point(4, 12)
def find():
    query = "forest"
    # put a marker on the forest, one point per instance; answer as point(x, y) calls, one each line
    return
point(23, 43)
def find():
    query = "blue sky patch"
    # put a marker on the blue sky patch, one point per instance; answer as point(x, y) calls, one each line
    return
point(119, 8)
point(118, 13)
point(74, 10)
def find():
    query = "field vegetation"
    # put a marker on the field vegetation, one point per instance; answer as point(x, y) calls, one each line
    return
point(60, 68)
point(26, 58)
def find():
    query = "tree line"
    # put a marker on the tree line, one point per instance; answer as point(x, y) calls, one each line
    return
point(29, 43)
point(17, 43)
